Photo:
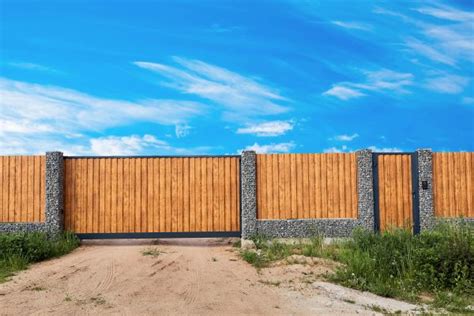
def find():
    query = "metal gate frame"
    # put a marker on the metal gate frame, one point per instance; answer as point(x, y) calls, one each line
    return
point(143, 235)
point(414, 184)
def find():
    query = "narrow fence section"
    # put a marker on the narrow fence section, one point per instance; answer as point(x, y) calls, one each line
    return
point(303, 186)
point(394, 188)
point(22, 189)
point(140, 195)
point(453, 179)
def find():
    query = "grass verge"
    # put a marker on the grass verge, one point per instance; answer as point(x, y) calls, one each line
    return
point(436, 267)
point(18, 250)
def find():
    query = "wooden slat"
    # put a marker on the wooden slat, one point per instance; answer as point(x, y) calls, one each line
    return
point(453, 184)
point(306, 186)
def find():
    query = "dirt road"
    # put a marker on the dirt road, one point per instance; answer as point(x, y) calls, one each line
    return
point(185, 277)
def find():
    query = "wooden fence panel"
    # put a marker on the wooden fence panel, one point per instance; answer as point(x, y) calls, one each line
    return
point(22, 188)
point(453, 184)
point(395, 191)
point(291, 186)
point(120, 195)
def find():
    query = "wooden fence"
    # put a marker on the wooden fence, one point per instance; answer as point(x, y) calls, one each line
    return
point(291, 186)
point(453, 179)
point(395, 200)
point(22, 188)
point(118, 195)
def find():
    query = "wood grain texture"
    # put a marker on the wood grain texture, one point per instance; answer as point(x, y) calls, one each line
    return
point(120, 195)
point(22, 189)
point(453, 184)
point(302, 186)
point(395, 191)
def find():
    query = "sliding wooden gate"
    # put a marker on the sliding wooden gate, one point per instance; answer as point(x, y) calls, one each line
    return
point(395, 191)
point(152, 196)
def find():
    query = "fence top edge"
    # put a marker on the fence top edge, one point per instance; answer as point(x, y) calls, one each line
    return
point(151, 156)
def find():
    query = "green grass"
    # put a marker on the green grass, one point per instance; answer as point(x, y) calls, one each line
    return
point(397, 264)
point(272, 250)
point(153, 252)
point(18, 250)
point(437, 263)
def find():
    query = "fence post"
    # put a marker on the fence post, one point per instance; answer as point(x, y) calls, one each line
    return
point(365, 189)
point(54, 192)
point(248, 201)
point(425, 188)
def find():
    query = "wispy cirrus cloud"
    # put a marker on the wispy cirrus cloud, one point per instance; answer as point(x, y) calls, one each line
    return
point(353, 25)
point(451, 84)
point(382, 80)
point(447, 13)
point(345, 137)
point(237, 95)
point(268, 129)
point(31, 66)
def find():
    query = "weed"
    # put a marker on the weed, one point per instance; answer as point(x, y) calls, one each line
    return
point(152, 251)
point(237, 244)
point(68, 298)
point(268, 282)
point(349, 301)
point(18, 250)
point(214, 259)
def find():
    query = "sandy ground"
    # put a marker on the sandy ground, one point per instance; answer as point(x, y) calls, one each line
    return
point(199, 276)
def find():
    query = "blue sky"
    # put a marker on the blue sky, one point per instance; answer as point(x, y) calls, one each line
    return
point(216, 77)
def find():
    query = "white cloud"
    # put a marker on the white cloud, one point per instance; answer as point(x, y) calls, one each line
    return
point(353, 25)
point(274, 128)
point(429, 52)
point(240, 96)
point(385, 149)
point(125, 145)
point(336, 150)
point(271, 148)
point(447, 13)
point(346, 138)
point(380, 80)
point(343, 93)
point(447, 84)
point(32, 111)
point(31, 66)
point(182, 130)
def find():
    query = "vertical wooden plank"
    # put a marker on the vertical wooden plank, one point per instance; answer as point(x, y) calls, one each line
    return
point(324, 192)
point(216, 193)
point(267, 203)
point(150, 174)
point(203, 187)
point(126, 195)
point(163, 190)
point(227, 195)
point(156, 194)
point(186, 195)
point(29, 193)
point(339, 165)
point(221, 188)
point(311, 189)
point(461, 161)
point(399, 219)
point(469, 189)
point(317, 186)
point(330, 185)
point(381, 188)
point(119, 195)
point(192, 195)
point(285, 192)
point(446, 185)
point(11, 180)
point(237, 200)
point(179, 193)
point(275, 212)
point(347, 211)
point(233, 205)
point(3, 184)
point(305, 186)
point(96, 195)
point(210, 195)
point(199, 184)
point(299, 185)
point(4, 188)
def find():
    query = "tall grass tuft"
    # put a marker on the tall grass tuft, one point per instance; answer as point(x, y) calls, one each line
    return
point(18, 250)
point(399, 264)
